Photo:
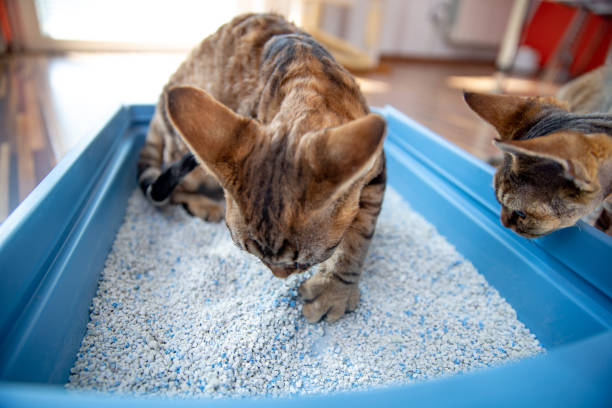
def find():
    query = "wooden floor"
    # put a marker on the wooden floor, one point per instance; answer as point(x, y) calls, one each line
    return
point(50, 103)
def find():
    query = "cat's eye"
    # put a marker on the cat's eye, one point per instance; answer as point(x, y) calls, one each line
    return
point(519, 213)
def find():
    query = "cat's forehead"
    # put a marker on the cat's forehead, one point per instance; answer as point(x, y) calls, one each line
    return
point(272, 169)
point(524, 168)
point(267, 186)
point(531, 182)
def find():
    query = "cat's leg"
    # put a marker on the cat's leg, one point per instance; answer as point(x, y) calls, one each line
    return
point(334, 289)
point(199, 205)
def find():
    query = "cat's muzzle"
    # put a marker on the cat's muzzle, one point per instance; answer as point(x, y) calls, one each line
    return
point(510, 219)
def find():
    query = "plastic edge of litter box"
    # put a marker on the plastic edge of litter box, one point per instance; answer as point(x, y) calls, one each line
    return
point(19, 253)
point(24, 222)
point(48, 246)
point(514, 382)
point(474, 177)
point(571, 376)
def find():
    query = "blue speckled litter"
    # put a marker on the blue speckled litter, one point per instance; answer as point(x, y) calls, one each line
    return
point(181, 311)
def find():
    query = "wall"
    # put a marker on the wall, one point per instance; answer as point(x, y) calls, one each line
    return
point(446, 29)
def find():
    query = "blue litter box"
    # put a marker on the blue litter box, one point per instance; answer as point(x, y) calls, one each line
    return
point(53, 247)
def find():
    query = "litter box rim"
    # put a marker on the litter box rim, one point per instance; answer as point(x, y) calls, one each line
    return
point(578, 372)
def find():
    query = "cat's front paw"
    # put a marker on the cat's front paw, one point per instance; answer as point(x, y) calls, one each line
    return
point(329, 297)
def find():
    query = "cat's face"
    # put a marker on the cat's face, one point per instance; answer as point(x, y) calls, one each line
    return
point(289, 204)
point(279, 212)
point(288, 237)
point(546, 182)
point(535, 196)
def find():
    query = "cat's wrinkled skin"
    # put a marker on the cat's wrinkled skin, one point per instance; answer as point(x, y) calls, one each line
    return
point(284, 130)
point(557, 165)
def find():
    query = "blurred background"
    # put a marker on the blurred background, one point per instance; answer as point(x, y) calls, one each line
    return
point(67, 65)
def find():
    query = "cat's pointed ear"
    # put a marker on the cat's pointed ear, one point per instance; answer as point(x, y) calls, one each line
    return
point(508, 113)
point(341, 154)
point(568, 149)
point(214, 133)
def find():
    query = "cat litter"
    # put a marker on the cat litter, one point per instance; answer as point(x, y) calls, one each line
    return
point(181, 311)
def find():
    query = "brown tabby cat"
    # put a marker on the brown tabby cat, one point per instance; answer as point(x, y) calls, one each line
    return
point(277, 124)
point(557, 165)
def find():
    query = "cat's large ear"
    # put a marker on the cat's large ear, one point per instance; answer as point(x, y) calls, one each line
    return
point(214, 133)
point(569, 149)
point(509, 113)
point(337, 156)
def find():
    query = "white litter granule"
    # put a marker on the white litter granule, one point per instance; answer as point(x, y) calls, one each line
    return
point(181, 311)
